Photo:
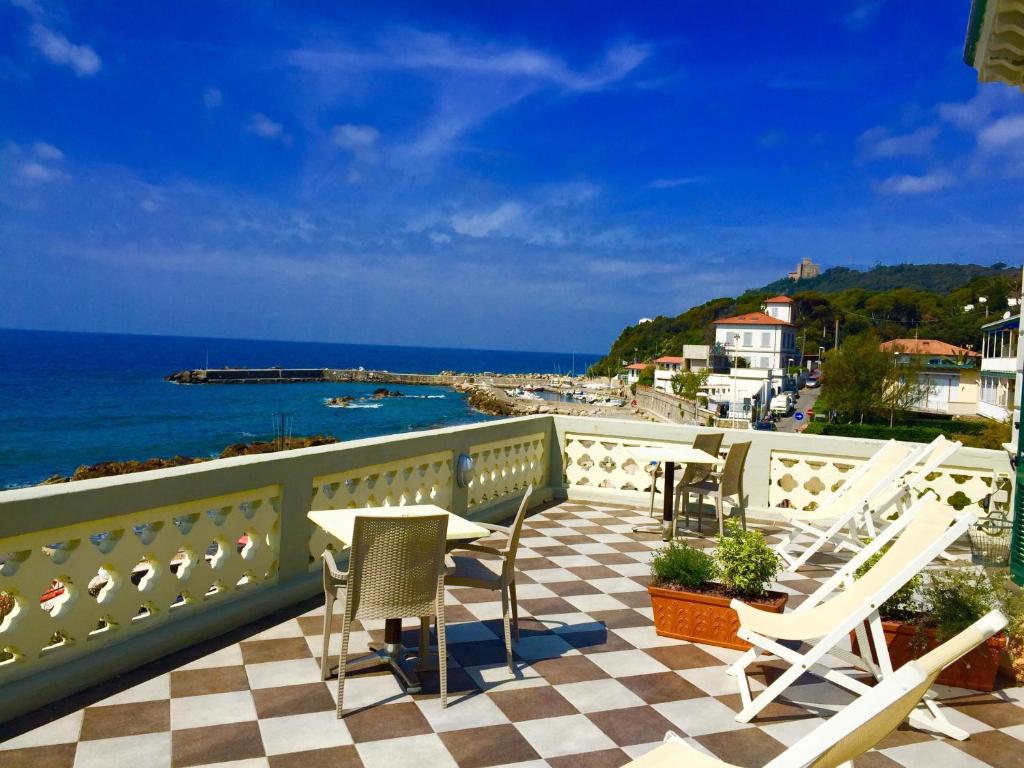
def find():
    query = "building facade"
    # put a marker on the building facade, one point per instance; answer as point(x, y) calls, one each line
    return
point(694, 358)
point(999, 347)
point(947, 373)
point(766, 340)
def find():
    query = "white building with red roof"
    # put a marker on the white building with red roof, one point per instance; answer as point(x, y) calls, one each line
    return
point(766, 339)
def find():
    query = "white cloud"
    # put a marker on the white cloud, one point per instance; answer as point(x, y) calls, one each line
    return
point(47, 151)
point(1004, 132)
point(440, 237)
point(484, 223)
point(58, 49)
point(678, 181)
point(262, 126)
point(34, 171)
point(972, 114)
point(916, 185)
point(354, 137)
point(878, 142)
point(213, 98)
point(419, 51)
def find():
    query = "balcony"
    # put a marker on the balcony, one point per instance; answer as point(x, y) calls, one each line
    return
point(188, 631)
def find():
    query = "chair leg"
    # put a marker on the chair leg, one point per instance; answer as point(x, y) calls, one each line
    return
point(700, 513)
point(515, 609)
point(719, 510)
point(508, 629)
point(342, 654)
point(654, 487)
point(442, 652)
point(325, 666)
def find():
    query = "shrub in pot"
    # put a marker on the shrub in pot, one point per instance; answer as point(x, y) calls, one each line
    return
point(934, 607)
point(691, 589)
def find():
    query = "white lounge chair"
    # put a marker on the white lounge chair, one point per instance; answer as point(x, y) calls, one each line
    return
point(878, 487)
point(859, 726)
point(828, 616)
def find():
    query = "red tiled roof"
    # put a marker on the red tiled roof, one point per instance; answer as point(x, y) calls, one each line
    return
point(667, 359)
point(636, 366)
point(780, 300)
point(751, 318)
point(927, 347)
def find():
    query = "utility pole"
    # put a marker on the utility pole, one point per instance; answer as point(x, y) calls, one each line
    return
point(835, 341)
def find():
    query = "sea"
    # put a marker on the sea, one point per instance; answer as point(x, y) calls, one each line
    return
point(68, 399)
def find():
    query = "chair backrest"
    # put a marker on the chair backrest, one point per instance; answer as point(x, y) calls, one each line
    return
point(864, 723)
point(875, 481)
point(732, 472)
point(512, 545)
point(934, 455)
point(933, 527)
point(710, 443)
point(396, 565)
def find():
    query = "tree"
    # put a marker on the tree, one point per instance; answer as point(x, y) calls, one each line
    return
point(862, 381)
point(689, 383)
point(646, 378)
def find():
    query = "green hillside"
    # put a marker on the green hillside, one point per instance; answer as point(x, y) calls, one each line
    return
point(937, 278)
point(894, 312)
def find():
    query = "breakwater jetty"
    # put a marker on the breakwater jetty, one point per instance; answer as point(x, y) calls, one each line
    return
point(486, 392)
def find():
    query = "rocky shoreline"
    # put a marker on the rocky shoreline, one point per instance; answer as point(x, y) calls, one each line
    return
point(111, 468)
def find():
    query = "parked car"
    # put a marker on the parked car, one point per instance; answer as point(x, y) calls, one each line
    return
point(782, 404)
point(814, 381)
point(764, 426)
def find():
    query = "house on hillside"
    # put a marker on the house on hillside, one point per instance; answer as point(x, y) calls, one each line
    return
point(694, 358)
point(999, 342)
point(948, 373)
point(758, 347)
point(631, 373)
point(766, 339)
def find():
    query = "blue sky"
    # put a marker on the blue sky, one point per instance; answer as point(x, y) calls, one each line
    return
point(529, 175)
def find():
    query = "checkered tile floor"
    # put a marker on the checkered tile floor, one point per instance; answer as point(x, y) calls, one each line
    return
point(596, 686)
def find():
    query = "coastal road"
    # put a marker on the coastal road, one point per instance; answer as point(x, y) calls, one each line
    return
point(808, 397)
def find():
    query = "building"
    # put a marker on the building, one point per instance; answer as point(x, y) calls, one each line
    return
point(694, 358)
point(631, 373)
point(765, 340)
point(999, 368)
point(949, 375)
point(804, 270)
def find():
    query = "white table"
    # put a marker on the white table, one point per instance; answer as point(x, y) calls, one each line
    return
point(669, 455)
point(340, 523)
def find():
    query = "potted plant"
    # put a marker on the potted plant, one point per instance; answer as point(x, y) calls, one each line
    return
point(691, 589)
point(933, 608)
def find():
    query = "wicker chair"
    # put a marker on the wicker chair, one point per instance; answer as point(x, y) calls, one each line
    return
point(396, 569)
point(710, 443)
point(723, 485)
point(496, 572)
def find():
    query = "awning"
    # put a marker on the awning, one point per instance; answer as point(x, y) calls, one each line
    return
point(995, 41)
point(998, 374)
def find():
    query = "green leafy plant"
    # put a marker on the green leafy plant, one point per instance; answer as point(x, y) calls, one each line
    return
point(746, 564)
point(955, 598)
point(904, 604)
point(678, 564)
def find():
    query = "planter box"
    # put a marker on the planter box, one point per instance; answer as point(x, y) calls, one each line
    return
point(977, 670)
point(702, 618)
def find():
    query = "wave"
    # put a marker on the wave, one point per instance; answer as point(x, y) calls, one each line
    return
point(424, 397)
point(363, 405)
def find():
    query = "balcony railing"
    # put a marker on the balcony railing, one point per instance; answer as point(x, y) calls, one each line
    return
point(99, 576)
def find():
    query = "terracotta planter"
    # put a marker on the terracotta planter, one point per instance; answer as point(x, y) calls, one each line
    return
point(703, 618)
point(977, 670)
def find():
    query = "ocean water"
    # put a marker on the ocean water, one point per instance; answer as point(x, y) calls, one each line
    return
point(68, 399)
